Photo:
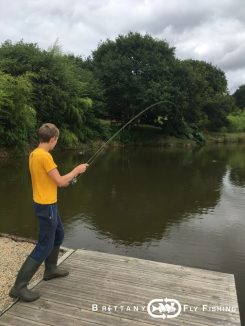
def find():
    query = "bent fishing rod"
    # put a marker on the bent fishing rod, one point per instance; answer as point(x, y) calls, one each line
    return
point(95, 155)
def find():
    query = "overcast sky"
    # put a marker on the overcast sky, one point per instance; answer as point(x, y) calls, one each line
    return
point(210, 30)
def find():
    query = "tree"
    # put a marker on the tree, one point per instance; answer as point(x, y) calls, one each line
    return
point(120, 78)
point(185, 94)
point(19, 58)
point(209, 97)
point(137, 71)
point(239, 97)
point(215, 79)
point(58, 92)
point(92, 87)
point(134, 71)
point(60, 96)
point(17, 116)
point(217, 110)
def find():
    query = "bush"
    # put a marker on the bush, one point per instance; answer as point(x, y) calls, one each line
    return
point(236, 122)
point(17, 117)
point(68, 139)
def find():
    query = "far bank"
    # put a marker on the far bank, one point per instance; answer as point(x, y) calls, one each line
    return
point(150, 137)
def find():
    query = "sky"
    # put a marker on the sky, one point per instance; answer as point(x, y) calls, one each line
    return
point(209, 30)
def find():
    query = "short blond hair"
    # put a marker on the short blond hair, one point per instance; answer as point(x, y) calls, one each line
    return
point(47, 131)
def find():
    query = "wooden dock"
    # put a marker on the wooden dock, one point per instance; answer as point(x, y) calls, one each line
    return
point(105, 289)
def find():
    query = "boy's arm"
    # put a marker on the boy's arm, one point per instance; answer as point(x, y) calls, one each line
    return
point(64, 180)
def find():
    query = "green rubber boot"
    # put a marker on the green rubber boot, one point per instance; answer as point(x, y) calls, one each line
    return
point(51, 268)
point(20, 290)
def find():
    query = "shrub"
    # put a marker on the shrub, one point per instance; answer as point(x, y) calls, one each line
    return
point(237, 122)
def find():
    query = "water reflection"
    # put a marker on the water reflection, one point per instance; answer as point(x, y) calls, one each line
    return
point(134, 196)
point(181, 206)
point(237, 176)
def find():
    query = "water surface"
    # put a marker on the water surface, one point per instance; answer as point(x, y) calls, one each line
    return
point(176, 205)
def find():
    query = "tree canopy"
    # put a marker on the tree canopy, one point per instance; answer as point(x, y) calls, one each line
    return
point(57, 93)
point(134, 71)
point(17, 116)
point(239, 97)
point(119, 79)
point(137, 71)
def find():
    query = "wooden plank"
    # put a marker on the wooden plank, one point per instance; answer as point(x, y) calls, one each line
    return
point(142, 278)
point(155, 278)
point(67, 312)
point(116, 296)
point(46, 316)
point(101, 256)
point(84, 283)
point(55, 314)
point(134, 267)
point(85, 303)
point(68, 253)
point(106, 279)
point(11, 320)
point(146, 267)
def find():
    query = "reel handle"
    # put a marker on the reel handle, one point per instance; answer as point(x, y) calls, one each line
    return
point(73, 181)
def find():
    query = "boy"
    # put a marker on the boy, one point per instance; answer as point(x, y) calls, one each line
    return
point(45, 179)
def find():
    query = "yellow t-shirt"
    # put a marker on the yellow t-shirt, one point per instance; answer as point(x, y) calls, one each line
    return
point(43, 187)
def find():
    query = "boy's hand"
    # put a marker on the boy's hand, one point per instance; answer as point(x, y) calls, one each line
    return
point(81, 168)
point(77, 171)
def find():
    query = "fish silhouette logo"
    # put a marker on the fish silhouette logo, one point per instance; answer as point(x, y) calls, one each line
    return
point(164, 308)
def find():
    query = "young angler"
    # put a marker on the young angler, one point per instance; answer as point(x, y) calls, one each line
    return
point(45, 179)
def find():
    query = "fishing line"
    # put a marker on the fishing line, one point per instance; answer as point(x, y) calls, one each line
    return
point(95, 155)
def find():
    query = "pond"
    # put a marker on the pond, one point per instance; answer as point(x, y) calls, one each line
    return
point(176, 205)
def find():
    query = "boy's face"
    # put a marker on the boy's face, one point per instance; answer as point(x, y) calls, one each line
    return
point(53, 142)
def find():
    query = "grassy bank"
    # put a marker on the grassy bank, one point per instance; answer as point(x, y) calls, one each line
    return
point(152, 136)
point(224, 137)
point(144, 136)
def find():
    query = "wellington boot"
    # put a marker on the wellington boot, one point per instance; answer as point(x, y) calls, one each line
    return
point(51, 268)
point(20, 290)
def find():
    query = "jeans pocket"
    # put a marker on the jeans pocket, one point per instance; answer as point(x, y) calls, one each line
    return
point(42, 210)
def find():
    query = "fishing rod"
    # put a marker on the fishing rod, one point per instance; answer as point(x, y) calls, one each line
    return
point(95, 155)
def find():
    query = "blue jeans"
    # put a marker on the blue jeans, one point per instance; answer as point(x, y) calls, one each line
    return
point(51, 231)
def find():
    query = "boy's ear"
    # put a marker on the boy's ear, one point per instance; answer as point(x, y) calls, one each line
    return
point(53, 139)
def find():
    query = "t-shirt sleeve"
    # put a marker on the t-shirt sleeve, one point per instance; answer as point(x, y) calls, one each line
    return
point(49, 163)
